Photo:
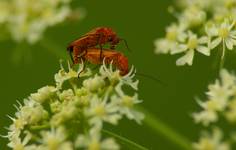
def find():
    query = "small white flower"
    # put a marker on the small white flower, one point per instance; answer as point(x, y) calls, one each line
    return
point(31, 113)
point(220, 13)
point(212, 142)
point(224, 34)
point(127, 104)
point(68, 110)
point(63, 76)
point(27, 20)
point(219, 95)
point(43, 94)
point(94, 84)
point(209, 114)
point(230, 114)
point(197, 3)
point(4, 11)
point(164, 46)
point(174, 34)
point(55, 139)
point(93, 141)
point(193, 43)
point(115, 77)
point(192, 16)
point(67, 95)
point(17, 144)
point(100, 110)
point(16, 127)
point(225, 88)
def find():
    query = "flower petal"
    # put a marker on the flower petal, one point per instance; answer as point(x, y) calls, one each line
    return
point(204, 50)
point(215, 43)
point(179, 49)
point(203, 40)
point(229, 43)
point(211, 31)
point(186, 59)
point(161, 46)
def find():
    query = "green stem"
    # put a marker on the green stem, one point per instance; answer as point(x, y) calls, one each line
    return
point(40, 127)
point(222, 59)
point(164, 130)
point(125, 140)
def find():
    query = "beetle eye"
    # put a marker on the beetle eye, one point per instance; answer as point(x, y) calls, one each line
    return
point(70, 48)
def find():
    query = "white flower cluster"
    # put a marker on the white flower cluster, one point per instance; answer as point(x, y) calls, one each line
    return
point(202, 25)
point(71, 114)
point(26, 20)
point(212, 141)
point(221, 103)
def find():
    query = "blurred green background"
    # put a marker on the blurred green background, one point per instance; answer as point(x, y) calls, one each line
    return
point(140, 23)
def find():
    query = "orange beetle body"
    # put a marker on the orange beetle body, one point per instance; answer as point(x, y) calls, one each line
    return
point(117, 59)
point(96, 37)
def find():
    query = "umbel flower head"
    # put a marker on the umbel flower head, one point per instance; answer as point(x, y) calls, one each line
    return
point(201, 26)
point(71, 114)
point(212, 142)
point(220, 105)
point(221, 97)
point(26, 20)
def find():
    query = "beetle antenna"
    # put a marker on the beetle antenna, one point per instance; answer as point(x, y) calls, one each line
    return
point(152, 78)
point(126, 44)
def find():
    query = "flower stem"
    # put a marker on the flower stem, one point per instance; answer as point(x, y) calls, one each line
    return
point(40, 127)
point(161, 128)
point(222, 59)
point(125, 140)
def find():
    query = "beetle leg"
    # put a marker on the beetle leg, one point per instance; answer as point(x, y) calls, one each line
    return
point(84, 65)
point(71, 57)
point(100, 53)
point(99, 42)
point(82, 54)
